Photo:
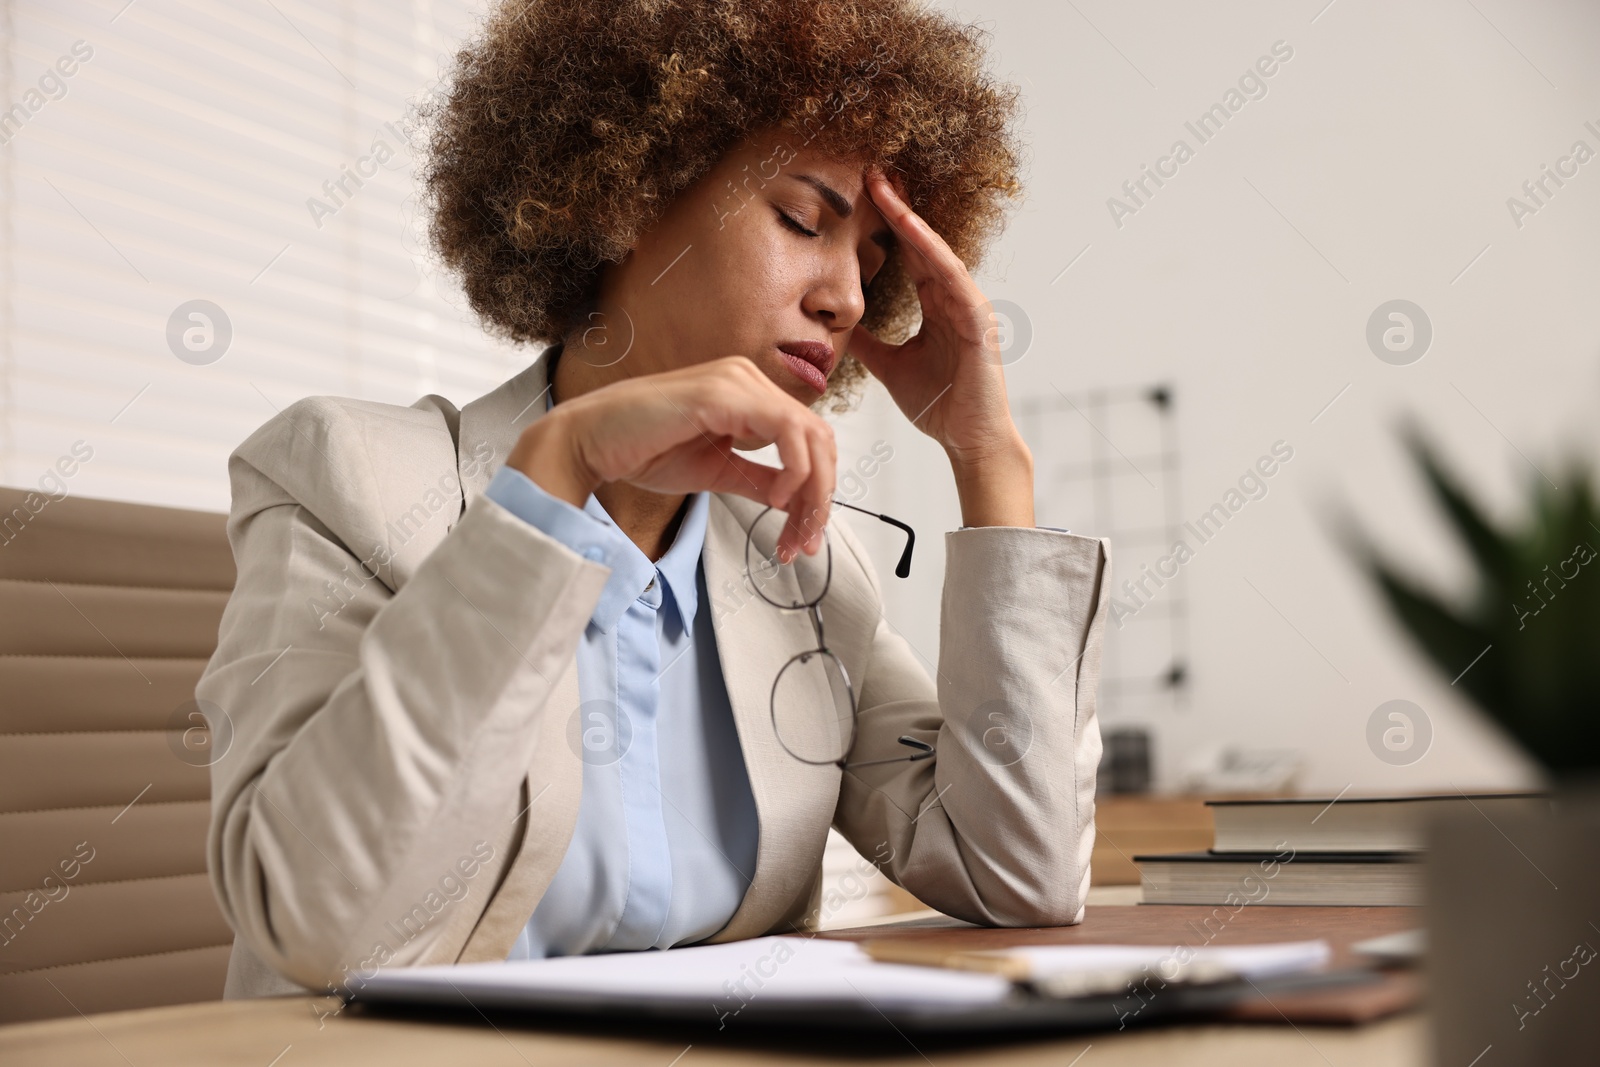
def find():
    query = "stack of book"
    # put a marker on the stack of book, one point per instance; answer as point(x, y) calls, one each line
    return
point(1300, 850)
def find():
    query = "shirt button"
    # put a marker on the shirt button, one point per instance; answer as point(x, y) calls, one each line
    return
point(651, 586)
point(594, 552)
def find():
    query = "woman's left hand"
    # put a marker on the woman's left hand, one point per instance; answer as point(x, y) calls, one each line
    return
point(948, 379)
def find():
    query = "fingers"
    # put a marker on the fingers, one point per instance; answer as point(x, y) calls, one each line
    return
point(795, 454)
point(813, 500)
point(959, 303)
point(731, 399)
point(804, 486)
point(745, 478)
point(825, 464)
point(915, 232)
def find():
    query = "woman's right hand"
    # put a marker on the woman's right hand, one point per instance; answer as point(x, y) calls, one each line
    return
point(676, 432)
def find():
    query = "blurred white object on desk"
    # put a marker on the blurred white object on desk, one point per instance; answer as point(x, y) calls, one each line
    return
point(1229, 769)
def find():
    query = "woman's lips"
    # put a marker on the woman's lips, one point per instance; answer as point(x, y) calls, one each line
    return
point(810, 361)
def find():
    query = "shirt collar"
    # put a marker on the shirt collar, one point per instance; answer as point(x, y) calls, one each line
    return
point(681, 564)
point(632, 571)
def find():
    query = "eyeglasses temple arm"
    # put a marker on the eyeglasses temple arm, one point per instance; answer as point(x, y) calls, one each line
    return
point(924, 751)
point(902, 569)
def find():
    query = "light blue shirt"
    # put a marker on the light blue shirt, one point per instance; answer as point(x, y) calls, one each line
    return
point(665, 843)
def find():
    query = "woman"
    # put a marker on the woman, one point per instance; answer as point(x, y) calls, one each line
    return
point(516, 680)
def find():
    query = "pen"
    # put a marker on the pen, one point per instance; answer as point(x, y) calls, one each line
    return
point(1018, 969)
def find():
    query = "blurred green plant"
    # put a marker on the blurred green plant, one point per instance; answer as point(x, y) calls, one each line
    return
point(1532, 615)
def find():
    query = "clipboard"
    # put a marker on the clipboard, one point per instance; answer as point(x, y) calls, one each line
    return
point(997, 1004)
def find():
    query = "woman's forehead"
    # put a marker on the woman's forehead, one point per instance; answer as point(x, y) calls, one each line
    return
point(792, 150)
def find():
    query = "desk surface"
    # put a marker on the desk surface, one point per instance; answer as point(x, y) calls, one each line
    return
point(296, 1031)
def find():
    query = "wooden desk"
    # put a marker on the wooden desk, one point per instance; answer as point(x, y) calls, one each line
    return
point(301, 1031)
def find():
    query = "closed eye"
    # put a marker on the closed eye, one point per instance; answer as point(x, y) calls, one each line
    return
point(795, 226)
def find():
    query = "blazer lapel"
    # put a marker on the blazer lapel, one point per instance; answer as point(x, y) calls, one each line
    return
point(794, 800)
point(491, 424)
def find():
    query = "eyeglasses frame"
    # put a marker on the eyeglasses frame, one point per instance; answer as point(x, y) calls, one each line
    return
point(923, 750)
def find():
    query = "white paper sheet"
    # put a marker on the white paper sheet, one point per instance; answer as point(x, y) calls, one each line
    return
point(790, 969)
point(796, 970)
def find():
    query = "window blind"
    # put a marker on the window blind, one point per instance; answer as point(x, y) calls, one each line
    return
point(210, 212)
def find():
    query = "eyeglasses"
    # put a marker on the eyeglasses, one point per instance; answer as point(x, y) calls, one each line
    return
point(814, 680)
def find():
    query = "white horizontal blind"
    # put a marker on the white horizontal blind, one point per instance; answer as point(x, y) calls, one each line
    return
point(196, 152)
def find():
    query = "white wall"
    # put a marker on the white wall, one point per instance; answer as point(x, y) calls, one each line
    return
point(1389, 143)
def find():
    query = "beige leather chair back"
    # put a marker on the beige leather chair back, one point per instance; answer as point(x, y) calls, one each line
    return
point(108, 614)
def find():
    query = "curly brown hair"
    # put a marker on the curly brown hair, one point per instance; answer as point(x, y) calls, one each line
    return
point(567, 127)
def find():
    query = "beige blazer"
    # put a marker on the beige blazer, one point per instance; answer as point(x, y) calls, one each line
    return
point(397, 666)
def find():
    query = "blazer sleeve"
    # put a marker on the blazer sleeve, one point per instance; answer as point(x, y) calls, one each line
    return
point(377, 734)
point(998, 826)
